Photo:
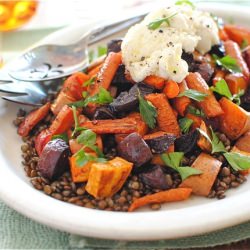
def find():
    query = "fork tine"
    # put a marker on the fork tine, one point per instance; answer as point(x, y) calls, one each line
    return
point(12, 88)
point(24, 99)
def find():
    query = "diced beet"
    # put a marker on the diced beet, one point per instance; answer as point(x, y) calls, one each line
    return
point(134, 149)
point(245, 100)
point(187, 142)
point(160, 144)
point(103, 113)
point(128, 101)
point(154, 177)
point(205, 70)
point(189, 58)
point(246, 55)
point(54, 159)
point(114, 45)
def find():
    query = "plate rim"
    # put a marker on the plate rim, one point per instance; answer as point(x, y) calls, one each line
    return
point(163, 224)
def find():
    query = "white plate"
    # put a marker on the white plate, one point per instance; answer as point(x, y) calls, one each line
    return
point(192, 217)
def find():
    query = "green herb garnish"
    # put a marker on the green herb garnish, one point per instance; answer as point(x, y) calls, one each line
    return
point(180, 2)
point(185, 124)
point(221, 87)
point(238, 161)
point(147, 111)
point(194, 111)
point(89, 82)
point(60, 136)
point(244, 44)
point(173, 160)
point(193, 94)
point(228, 63)
point(217, 145)
point(94, 54)
point(158, 22)
point(77, 128)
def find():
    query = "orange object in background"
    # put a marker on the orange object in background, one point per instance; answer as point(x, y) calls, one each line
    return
point(14, 14)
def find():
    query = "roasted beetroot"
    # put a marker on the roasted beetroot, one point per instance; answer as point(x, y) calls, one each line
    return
point(187, 142)
point(218, 50)
point(205, 70)
point(134, 149)
point(154, 177)
point(114, 45)
point(128, 101)
point(103, 113)
point(54, 159)
point(160, 144)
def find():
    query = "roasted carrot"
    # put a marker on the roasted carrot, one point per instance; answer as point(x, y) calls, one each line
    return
point(181, 103)
point(63, 121)
point(235, 121)
point(32, 119)
point(142, 127)
point(93, 72)
point(219, 75)
point(155, 81)
point(236, 82)
point(233, 50)
point(79, 173)
point(154, 135)
point(223, 35)
point(171, 89)
point(243, 143)
point(210, 106)
point(61, 100)
point(237, 34)
point(172, 195)
point(197, 120)
point(166, 119)
point(41, 140)
point(118, 126)
point(203, 143)
point(106, 73)
point(242, 152)
point(246, 55)
point(202, 184)
point(157, 160)
point(129, 77)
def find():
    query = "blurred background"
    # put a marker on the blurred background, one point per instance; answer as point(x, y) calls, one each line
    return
point(23, 23)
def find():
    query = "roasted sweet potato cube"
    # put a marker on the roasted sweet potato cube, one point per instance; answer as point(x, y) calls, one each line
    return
point(105, 179)
point(79, 173)
point(202, 184)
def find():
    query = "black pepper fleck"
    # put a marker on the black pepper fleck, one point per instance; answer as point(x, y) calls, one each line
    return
point(160, 31)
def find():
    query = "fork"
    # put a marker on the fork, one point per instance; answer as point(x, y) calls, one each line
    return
point(51, 61)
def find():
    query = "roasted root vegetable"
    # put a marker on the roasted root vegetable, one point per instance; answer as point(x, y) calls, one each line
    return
point(32, 119)
point(243, 143)
point(237, 34)
point(235, 121)
point(219, 75)
point(181, 103)
point(202, 184)
point(105, 179)
point(155, 81)
point(41, 140)
point(172, 195)
point(236, 82)
point(166, 118)
point(54, 159)
point(210, 105)
point(134, 149)
point(79, 173)
point(233, 50)
point(171, 89)
point(197, 120)
point(157, 160)
point(203, 143)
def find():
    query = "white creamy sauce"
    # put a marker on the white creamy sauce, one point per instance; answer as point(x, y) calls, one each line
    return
point(158, 52)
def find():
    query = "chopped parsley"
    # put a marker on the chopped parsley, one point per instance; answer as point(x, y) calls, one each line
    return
point(158, 22)
point(228, 63)
point(185, 124)
point(193, 94)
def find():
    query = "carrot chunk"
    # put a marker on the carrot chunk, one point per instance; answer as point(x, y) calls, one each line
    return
point(171, 89)
point(219, 75)
point(172, 195)
point(155, 81)
point(32, 119)
point(210, 106)
point(233, 50)
point(237, 34)
point(236, 82)
point(166, 119)
point(181, 103)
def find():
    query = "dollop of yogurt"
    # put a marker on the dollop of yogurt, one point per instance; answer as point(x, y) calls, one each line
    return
point(158, 51)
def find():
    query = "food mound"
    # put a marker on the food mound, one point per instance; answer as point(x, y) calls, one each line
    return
point(162, 115)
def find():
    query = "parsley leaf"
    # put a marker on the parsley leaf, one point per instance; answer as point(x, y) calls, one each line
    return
point(87, 137)
point(238, 161)
point(147, 111)
point(185, 124)
point(60, 136)
point(89, 82)
point(180, 2)
point(217, 145)
point(102, 50)
point(194, 111)
point(228, 63)
point(77, 128)
point(221, 87)
point(244, 44)
point(173, 160)
point(193, 94)
point(158, 22)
